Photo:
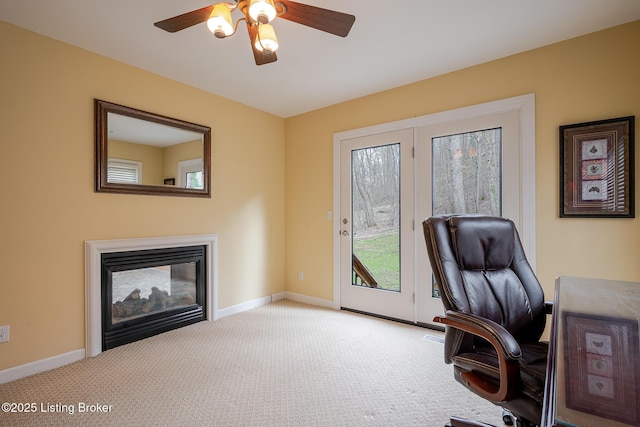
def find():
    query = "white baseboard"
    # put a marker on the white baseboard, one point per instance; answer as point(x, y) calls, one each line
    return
point(22, 371)
point(303, 299)
point(38, 366)
point(235, 309)
point(239, 308)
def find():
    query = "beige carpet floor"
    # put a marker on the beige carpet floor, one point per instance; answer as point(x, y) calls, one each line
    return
point(283, 364)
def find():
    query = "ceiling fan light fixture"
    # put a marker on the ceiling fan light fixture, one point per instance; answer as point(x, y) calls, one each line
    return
point(219, 21)
point(262, 11)
point(266, 40)
point(257, 15)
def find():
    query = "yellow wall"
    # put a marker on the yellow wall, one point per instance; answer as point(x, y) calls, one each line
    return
point(589, 78)
point(49, 208)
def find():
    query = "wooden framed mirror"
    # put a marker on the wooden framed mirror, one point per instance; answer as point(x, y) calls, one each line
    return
point(138, 152)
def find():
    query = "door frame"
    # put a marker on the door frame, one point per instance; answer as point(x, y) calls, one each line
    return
point(524, 105)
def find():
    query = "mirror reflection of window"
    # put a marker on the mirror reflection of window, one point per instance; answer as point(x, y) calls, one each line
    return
point(190, 174)
point(124, 171)
point(194, 180)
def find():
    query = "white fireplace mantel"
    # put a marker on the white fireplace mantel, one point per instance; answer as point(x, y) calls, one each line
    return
point(93, 249)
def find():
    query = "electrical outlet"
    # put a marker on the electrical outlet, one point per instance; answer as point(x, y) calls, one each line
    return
point(300, 275)
point(4, 333)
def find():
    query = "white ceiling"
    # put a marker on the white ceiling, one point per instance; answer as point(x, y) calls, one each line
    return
point(387, 47)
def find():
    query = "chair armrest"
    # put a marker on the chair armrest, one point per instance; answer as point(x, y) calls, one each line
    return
point(506, 347)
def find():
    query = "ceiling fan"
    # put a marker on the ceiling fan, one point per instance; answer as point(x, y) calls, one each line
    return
point(258, 14)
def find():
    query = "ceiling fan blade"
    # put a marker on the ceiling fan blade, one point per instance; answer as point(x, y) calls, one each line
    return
point(260, 57)
point(326, 20)
point(185, 20)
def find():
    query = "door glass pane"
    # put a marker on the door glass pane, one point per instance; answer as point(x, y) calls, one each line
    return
point(467, 174)
point(375, 217)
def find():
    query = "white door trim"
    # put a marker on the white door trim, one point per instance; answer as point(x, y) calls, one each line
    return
point(524, 104)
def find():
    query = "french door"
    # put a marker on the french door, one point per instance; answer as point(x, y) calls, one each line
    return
point(389, 178)
point(463, 167)
point(376, 220)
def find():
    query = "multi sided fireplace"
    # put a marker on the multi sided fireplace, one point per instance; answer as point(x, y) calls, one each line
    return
point(137, 288)
point(148, 292)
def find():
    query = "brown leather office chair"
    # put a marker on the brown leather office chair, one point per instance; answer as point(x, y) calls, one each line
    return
point(495, 312)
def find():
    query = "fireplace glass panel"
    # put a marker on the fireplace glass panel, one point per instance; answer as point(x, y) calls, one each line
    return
point(144, 291)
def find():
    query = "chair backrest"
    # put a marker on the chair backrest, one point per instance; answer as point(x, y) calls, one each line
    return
point(480, 268)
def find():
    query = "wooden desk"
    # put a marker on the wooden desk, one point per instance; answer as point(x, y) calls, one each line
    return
point(593, 371)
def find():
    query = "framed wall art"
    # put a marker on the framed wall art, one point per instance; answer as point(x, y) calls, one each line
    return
point(597, 169)
point(601, 368)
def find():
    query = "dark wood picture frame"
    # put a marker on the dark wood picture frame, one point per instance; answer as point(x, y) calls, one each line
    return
point(597, 169)
point(600, 365)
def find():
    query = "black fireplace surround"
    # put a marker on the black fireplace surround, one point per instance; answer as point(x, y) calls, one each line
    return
point(148, 312)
